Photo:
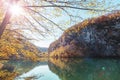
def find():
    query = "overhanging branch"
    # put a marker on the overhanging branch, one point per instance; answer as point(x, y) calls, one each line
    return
point(67, 7)
point(47, 19)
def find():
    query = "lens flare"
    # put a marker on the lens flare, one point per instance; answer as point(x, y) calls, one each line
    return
point(16, 10)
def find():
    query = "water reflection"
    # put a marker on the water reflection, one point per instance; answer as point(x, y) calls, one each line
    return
point(68, 69)
point(24, 66)
point(33, 71)
point(38, 73)
point(85, 69)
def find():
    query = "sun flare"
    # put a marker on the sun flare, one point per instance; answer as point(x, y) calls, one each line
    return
point(16, 10)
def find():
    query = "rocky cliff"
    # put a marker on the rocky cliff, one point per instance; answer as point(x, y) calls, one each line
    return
point(96, 37)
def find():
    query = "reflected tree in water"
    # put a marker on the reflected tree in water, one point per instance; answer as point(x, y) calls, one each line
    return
point(85, 69)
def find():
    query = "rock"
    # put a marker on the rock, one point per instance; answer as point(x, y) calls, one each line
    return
point(96, 37)
point(1, 65)
point(9, 68)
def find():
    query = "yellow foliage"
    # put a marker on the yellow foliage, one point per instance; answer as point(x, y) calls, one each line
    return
point(15, 48)
point(77, 27)
point(5, 75)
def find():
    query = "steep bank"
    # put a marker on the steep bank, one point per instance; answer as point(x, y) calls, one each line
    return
point(96, 37)
point(12, 46)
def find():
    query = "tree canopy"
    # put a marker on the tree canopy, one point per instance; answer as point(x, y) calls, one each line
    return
point(46, 17)
point(13, 47)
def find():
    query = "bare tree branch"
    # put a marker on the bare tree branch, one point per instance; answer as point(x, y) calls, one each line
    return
point(46, 19)
point(21, 35)
point(51, 2)
point(67, 7)
point(40, 32)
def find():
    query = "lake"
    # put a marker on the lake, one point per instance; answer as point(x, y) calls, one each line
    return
point(68, 69)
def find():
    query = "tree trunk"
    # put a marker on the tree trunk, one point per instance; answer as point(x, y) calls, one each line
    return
point(7, 17)
point(4, 22)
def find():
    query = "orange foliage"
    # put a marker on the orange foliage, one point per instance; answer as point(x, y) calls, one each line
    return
point(15, 48)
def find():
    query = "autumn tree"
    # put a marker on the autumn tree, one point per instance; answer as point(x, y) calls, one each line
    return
point(45, 16)
point(13, 47)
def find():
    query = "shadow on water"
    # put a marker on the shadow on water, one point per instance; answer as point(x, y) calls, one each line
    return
point(85, 69)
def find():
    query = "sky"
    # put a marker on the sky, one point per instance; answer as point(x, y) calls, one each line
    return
point(63, 19)
point(40, 74)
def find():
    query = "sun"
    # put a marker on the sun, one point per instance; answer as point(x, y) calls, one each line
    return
point(16, 10)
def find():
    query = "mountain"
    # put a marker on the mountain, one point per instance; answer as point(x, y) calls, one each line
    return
point(43, 49)
point(96, 37)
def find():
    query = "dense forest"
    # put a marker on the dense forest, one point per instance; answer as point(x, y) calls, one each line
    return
point(48, 39)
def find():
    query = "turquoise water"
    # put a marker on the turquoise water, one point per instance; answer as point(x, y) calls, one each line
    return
point(68, 69)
